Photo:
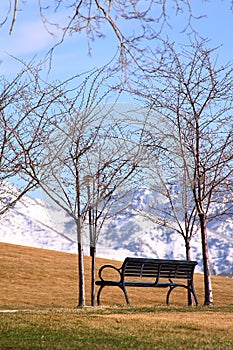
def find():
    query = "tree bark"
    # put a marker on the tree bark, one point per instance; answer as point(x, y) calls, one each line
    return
point(208, 300)
point(93, 264)
point(187, 248)
point(81, 278)
point(188, 257)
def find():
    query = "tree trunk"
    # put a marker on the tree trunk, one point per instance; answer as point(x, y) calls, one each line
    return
point(206, 265)
point(188, 257)
point(93, 260)
point(187, 249)
point(81, 278)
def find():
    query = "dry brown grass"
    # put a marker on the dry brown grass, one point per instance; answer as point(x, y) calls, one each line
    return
point(31, 277)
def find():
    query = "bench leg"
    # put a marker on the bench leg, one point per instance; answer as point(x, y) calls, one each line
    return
point(195, 297)
point(191, 290)
point(168, 295)
point(188, 288)
point(121, 287)
point(98, 295)
point(126, 295)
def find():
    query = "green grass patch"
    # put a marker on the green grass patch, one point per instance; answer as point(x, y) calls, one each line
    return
point(118, 328)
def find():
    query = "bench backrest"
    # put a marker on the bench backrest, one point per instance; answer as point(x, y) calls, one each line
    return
point(158, 268)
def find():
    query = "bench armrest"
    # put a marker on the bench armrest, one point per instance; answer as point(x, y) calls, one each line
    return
point(108, 267)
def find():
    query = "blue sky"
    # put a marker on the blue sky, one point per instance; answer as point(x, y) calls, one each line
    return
point(30, 39)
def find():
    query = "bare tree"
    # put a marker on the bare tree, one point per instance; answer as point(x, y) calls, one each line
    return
point(164, 169)
point(166, 176)
point(23, 127)
point(112, 172)
point(175, 208)
point(87, 141)
point(102, 158)
point(194, 96)
point(58, 167)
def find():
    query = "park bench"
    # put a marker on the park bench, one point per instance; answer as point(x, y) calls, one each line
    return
point(155, 273)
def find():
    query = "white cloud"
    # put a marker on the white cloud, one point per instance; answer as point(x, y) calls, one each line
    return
point(29, 38)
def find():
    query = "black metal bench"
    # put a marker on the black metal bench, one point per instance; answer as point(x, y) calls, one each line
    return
point(157, 273)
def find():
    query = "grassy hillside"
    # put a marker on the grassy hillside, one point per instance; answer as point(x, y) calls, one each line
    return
point(31, 277)
point(43, 285)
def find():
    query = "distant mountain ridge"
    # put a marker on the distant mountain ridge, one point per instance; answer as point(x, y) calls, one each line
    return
point(33, 222)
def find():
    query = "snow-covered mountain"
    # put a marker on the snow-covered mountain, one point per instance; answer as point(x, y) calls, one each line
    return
point(33, 222)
